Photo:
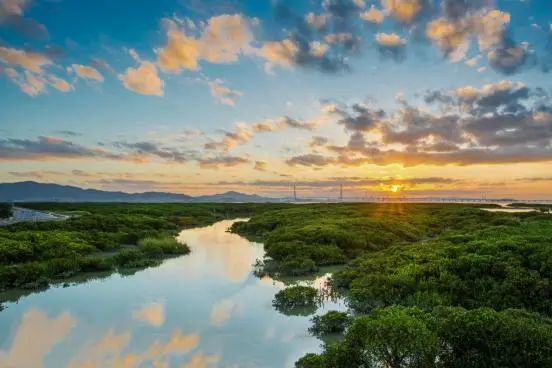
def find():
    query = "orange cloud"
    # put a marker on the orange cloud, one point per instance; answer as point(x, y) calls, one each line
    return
point(31, 61)
point(143, 79)
point(373, 15)
point(222, 93)
point(403, 10)
point(390, 40)
point(87, 72)
point(222, 40)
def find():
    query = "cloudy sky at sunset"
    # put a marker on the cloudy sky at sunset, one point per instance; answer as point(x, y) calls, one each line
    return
point(437, 98)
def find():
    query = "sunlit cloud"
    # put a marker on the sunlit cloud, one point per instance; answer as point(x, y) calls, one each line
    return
point(222, 40)
point(144, 79)
point(87, 72)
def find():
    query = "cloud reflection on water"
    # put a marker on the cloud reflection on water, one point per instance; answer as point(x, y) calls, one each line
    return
point(35, 337)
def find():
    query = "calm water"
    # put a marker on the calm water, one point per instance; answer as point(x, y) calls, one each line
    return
point(202, 310)
point(509, 210)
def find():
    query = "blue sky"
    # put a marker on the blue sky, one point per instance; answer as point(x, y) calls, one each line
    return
point(202, 96)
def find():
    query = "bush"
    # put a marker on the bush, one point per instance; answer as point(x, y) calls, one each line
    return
point(311, 361)
point(330, 323)
point(298, 266)
point(158, 247)
point(132, 258)
point(96, 264)
point(296, 296)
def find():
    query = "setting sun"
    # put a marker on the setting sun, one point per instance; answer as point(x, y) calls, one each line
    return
point(395, 188)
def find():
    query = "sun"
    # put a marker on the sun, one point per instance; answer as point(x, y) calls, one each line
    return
point(395, 188)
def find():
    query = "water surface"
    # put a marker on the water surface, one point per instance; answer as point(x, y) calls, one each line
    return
point(509, 210)
point(202, 310)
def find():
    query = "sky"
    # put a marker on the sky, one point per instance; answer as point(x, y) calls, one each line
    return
point(385, 97)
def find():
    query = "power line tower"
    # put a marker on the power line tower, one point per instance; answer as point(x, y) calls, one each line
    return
point(294, 192)
point(341, 192)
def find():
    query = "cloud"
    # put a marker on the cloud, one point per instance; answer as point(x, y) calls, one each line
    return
point(373, 15)
point(59, 84)
point(321, 41)
point(350, 182)
point(11, 15)
point(404, 11)
point(360, 117)
point(505, 122)
point(29, 83)
point(261, 165)
point(281, 53)
point(35, 337)
point(221, 161)
point(508, 59)
point(222, 93)
point(30, 61)
point(316, 21)
point(153, 314)
point(222, 40)
point(310, 160)
point(12, 7)
point(243, 132)
point(26, 70)
point(391, 45)
point(143, 79)
point(240, 135)
point(202, 361)
point(148, 149)
point(87, 72)
point(318, 141)
point(48, 148)
point(452, 34)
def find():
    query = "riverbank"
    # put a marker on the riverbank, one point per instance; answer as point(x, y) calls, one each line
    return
point(35, 251)
point(207, 306)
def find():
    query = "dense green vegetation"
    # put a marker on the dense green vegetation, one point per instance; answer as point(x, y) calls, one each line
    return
point(330, 323)
point(5, 210)
point(296, 300)
point(444, 337)
point(101, 237)
point(430, 285)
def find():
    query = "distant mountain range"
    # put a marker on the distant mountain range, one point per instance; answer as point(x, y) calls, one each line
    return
point(30, 191)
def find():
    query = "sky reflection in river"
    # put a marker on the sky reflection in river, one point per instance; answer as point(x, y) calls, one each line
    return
point(202, 310)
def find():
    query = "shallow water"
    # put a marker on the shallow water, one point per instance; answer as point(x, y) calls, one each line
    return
point(202, 310)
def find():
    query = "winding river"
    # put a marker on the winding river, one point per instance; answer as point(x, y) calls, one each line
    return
point(202, 310)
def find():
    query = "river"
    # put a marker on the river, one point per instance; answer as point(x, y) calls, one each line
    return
point(201, 310)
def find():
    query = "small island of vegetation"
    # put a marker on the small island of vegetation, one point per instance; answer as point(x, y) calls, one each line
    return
point(296, 300)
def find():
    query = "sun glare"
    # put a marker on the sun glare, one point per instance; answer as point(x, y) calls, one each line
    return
point(395, 188)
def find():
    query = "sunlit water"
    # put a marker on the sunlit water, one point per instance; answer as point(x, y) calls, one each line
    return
point(202, 310)
point(509, 210)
